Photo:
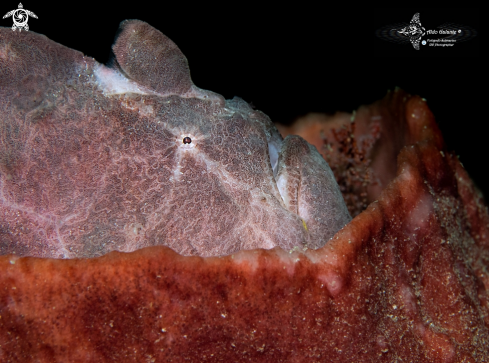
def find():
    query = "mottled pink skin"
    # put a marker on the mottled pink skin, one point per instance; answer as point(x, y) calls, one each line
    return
point(406, 280)
point(93, 161)
point(140, 47)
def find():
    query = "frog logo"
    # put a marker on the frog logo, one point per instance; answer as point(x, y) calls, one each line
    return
point(20, 17)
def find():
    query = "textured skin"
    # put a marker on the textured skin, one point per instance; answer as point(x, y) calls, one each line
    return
point(140, 47)
point(92, 160)
point(303, 178)
point(406, 280)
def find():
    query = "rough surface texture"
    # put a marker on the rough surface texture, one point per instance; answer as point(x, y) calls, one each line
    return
point(406, 280)
point(92, 161)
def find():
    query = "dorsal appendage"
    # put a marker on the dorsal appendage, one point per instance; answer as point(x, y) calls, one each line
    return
point(150, 58)
point(150, 62)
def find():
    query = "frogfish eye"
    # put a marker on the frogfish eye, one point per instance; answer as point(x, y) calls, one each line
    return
point(187, 140)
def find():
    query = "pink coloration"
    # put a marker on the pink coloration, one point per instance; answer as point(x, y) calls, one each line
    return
point(148, 57)
point(93, 160)
point(405, 280)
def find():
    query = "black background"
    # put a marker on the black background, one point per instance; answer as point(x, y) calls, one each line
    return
point(289, 61)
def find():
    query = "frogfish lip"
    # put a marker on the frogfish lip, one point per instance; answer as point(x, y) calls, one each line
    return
point(407, 278)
